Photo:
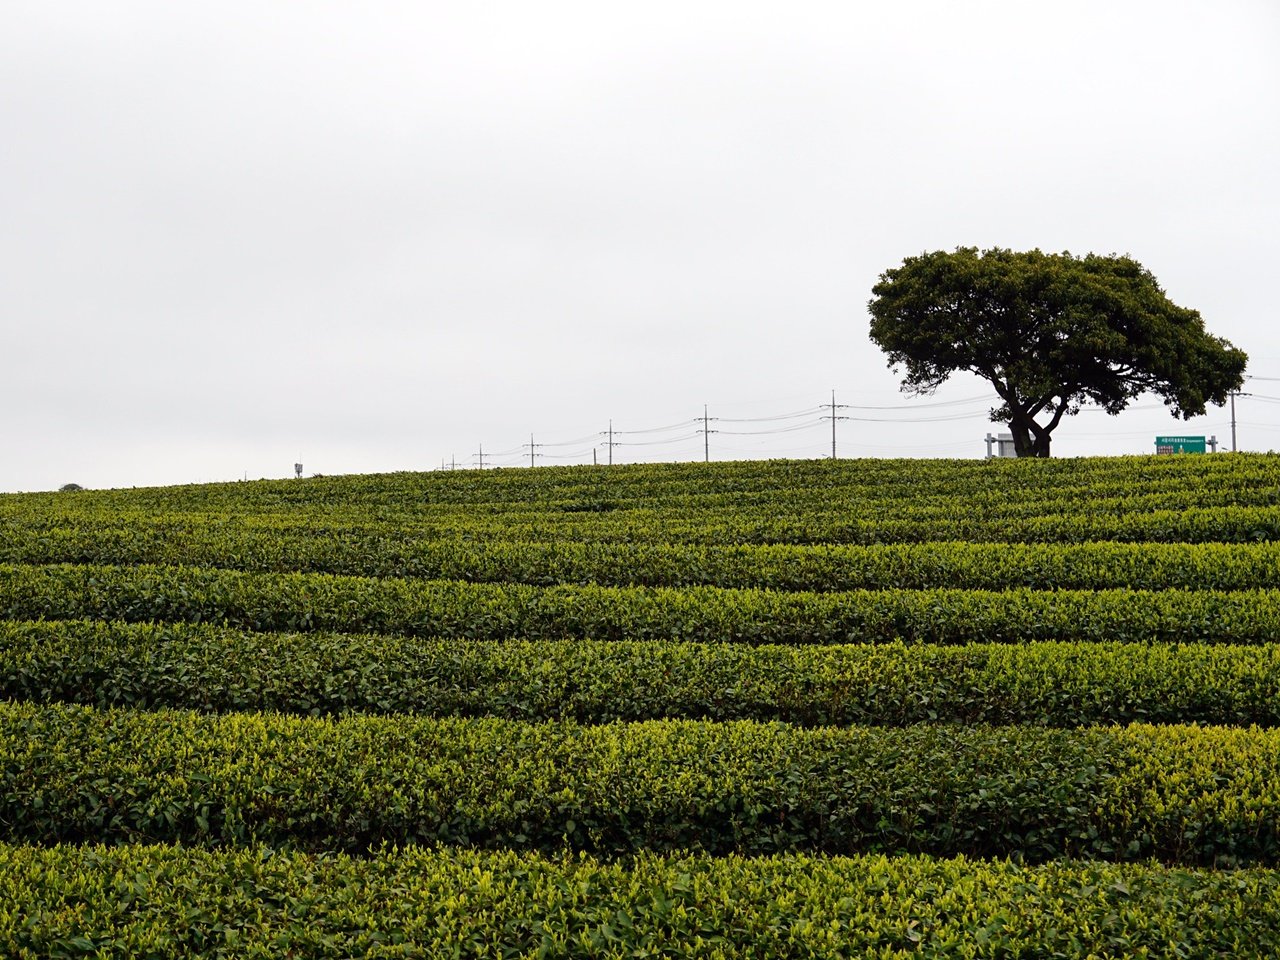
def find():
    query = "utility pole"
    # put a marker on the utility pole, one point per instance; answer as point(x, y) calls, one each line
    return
point(612, 443)
point(834, 406)
point(1233, 420)
point(1233, 395)
point(480, 455)
point(833, 424)
point(532, 447)
point(706, 432)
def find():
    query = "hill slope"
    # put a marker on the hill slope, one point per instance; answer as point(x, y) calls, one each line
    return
point(678, 706)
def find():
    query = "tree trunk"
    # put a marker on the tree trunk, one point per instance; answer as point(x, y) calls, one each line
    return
point(1028, 441)
point(1023, 442)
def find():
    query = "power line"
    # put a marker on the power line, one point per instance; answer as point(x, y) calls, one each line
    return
point(776, 424)
point(782, 416)
point(651, 443)
point(507, 453)
point(572, 455)
point(1140, 406)
point(958, 416)
point(670, 426)
point(1238, 393)
point(984, 398)
point(569, 443)
point(776, 430)
point(510, 456)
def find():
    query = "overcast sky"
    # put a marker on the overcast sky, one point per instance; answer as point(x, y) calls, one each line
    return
point(375, 236)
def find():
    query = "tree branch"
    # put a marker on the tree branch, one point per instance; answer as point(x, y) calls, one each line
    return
point(1057, 416)
point(1039, 405)
point(989, 374)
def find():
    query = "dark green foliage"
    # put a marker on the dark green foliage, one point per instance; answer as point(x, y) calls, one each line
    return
point(376, 552)
point(446, 609)
point(1137, 499)
point(160, 902)
point(1180, 794)
point(474, 603)
point(1045, 684)
point(1050, 332)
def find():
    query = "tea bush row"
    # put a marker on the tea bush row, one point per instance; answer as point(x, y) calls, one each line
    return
point(391, 553)
point(849, 483)
point(1182, 794)
point(158, 902)
point(611, 522)
point(219, 669)
point(449, 609)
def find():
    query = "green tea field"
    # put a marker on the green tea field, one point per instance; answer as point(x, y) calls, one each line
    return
point(862, 708)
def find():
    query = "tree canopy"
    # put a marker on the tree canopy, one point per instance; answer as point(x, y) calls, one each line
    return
point(1050, 332)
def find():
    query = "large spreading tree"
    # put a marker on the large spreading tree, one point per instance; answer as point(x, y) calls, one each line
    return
point(1050, 332)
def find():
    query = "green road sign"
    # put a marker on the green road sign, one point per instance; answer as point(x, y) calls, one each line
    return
point(1180, 445)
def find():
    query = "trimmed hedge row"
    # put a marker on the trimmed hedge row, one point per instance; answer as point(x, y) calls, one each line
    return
point(613, 522)
point(154, 903)
point(779, 482)
point(448, 609)
point(1187, 795)
point(383, 553)
point(870, 525)
point(926, 498)
point(211, 668)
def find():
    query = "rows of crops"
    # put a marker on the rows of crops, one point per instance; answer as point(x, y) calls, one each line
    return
point(487, 611)
point(880, 708)
point(1056, 684)
point(399, 552)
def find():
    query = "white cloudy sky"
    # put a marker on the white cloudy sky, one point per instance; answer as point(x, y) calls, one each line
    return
point(379, 235)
